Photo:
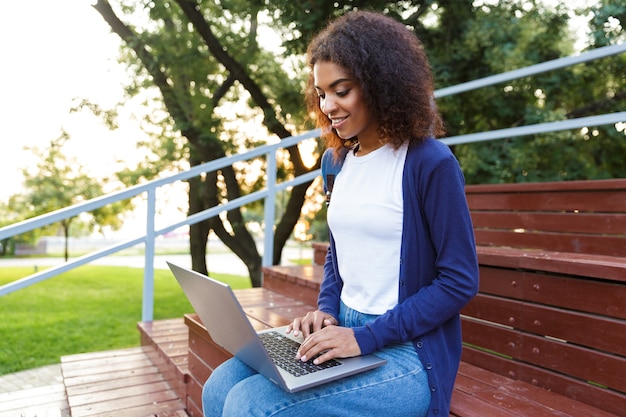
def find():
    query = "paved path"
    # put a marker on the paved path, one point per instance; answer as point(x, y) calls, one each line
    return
point(32, 378)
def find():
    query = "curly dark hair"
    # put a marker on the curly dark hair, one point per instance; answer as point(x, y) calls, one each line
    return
point(390, 65)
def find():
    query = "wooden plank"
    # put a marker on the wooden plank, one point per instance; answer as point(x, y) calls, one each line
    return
point(277, 316)
point(115, 375)
point(563, 222)
point(90, 367)
point(597, 332)
point(595, 297)
point(605, 298)
point(608, 268)
point(552, 186)
point(582, 363)
point(203, 346)
point(147, 405)
point(199, 369)
point(466, 405)
point(605, 245)
point(126, 383)
point(115, 383)
point(593, 201)
point(107, 354)
point(522, 397)
point(606, 401)
point(194, 397)
point(194, 400)
point(585, 364)
point(262, 297)
point(124, 390)
point(504, 341)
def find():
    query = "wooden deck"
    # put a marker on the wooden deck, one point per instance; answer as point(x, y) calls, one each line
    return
point(126, 382)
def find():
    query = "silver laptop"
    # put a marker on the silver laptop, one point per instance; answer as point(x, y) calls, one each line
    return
point(227, 324)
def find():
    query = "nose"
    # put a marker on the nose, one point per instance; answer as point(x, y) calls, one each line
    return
point(328, 105)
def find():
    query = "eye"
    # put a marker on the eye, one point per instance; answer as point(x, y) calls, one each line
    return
point(321, 96)
point(342, 93)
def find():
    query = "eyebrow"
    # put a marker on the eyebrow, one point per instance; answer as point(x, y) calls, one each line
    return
point(335, 83)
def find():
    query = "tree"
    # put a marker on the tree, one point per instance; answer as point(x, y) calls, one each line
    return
point(204, 60)
point(59, 182)
point(7, 217)
point(194, 72)
point(513, 34)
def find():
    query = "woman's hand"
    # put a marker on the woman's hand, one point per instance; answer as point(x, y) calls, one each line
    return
point(333, 341)
point(311, 323)
point(321, 334)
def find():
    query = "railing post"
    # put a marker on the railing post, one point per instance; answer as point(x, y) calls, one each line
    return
point(147, 309)
point(269, 209)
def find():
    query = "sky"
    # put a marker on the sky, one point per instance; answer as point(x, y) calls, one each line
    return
point(54, 53)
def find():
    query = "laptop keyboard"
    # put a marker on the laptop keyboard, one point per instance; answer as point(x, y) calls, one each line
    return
point(283, 351)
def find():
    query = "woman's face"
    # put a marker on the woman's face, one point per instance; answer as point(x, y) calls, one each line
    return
point(341, 100)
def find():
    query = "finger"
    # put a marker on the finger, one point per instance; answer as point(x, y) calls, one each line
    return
point(324, 320)
point(294, 326)
point(326, 356)
point(330, 321)
point(314, 345)
point(308, 325)
point(318, 323)
point(309, 349)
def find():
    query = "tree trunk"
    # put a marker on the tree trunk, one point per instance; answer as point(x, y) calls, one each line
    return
point(288, 220)
point(198, 232)
point(204, 193)
point(66, 232)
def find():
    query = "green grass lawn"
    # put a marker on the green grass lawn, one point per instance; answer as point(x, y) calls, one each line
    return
point(89, 309)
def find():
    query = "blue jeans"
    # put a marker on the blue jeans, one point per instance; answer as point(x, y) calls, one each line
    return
point(398, 388)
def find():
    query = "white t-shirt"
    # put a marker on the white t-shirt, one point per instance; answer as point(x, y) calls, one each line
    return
point(365, 218)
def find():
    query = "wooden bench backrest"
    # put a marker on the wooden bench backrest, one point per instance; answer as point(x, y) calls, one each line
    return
point(572, 216)
point(561, 331)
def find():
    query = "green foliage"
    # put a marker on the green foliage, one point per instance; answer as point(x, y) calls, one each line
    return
point(464, 40)
point(59, 182)
point(513, 34)
point(89, 309)
point(7, 217)
point(202, 96)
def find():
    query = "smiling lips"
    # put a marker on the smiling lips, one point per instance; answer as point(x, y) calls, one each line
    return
point(337, 121)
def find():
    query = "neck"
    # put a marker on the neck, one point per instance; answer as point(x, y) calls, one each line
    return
point(364, 150)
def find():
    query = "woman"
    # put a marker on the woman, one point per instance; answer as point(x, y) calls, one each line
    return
point(402, 259)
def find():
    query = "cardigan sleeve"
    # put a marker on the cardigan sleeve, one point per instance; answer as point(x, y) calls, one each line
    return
point(330, 289)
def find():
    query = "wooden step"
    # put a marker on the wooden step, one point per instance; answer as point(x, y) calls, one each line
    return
point(301, 282)
point(320, 249)
point(169, 340)
point(119, 382)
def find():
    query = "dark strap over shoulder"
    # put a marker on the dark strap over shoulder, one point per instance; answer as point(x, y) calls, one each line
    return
point(330, 169)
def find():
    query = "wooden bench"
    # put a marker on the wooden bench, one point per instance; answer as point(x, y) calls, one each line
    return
point(546, 336)
point(551, 311)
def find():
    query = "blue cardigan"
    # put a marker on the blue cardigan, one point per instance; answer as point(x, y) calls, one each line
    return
point(438, 271)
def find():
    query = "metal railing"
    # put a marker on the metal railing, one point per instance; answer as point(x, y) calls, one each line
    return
point(268, 194)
